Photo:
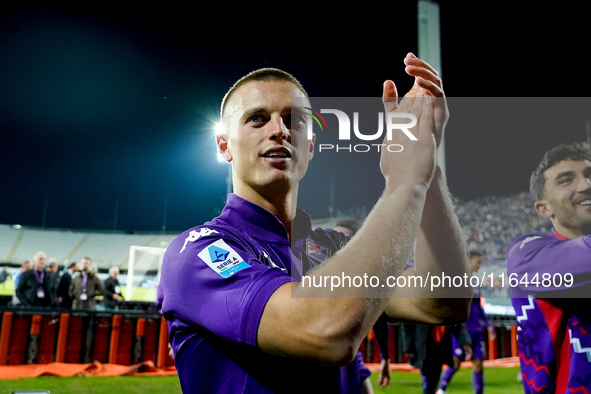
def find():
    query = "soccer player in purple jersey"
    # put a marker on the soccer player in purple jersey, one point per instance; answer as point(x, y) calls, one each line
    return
point(237, 321)
point(550, 277)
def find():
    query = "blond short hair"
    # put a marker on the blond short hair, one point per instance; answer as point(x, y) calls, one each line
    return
point(267, 74)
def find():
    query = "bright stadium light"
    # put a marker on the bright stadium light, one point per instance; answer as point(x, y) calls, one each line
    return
point(218, 128)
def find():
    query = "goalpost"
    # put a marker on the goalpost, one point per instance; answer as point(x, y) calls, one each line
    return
point(143, 272)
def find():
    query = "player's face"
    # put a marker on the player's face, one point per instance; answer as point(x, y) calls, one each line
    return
point(567, 197)
point(266, 143)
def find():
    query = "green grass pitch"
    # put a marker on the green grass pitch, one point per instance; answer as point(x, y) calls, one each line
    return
point(497, 380)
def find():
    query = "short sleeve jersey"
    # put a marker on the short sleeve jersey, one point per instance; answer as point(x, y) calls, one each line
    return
point(553, 317)
point(216, 280)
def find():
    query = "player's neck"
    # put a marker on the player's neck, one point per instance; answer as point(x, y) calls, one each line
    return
point(571, 233)
point(282, 204)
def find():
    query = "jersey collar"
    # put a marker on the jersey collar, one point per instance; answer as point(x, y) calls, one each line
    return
point(558, 235)
point(262, 224)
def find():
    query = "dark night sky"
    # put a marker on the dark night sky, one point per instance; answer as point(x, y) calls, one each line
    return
point(103, 105)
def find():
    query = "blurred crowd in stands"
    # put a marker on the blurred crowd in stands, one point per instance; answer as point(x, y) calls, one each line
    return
point(491, 223)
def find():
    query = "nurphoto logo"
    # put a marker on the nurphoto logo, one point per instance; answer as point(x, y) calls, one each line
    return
point(357, 120)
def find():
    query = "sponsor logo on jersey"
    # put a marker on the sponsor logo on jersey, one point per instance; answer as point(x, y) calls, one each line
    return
point(528, 239)
point(195, 235)
point(268, 261)
point(221, 258)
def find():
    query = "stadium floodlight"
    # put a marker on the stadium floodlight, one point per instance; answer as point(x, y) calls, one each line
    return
point(218, 128)
point(429, 46)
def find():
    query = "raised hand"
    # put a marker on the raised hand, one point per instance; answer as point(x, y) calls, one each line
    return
point(427, 82)
point(426, 101)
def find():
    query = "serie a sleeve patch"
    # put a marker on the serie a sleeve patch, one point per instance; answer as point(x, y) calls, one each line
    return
point(221, 258)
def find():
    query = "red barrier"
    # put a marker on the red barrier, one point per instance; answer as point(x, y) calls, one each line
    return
point(126, 335)
point(102, 335)
point(82, 337)
point(115, 330)
point(493, 350)
point(18, 340)
point(514, 346)
point(47, 339)
point(62, 338)
point(5, 331)
point(164, 358)
point(151, 339)
point(74, 337)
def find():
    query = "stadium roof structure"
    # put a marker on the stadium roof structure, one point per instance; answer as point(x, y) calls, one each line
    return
point(105, 249)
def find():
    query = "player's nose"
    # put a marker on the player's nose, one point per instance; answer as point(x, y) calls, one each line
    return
point(278, 128)
point(584, 184)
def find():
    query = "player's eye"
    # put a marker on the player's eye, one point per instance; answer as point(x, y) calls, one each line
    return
point(255, 119)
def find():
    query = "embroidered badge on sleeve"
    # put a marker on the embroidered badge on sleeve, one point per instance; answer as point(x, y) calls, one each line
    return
point(316, 251)
point(221, 258)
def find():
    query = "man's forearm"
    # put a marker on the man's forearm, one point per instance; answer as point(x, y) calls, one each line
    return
point(440, 243)
point(342, 317)
point(383, 244)
point(439, 251)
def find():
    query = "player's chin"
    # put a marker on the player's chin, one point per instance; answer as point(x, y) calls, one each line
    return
point(583, 213)
point(277, 179)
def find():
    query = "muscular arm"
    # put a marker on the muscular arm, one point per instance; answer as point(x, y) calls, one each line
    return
point(312, 323)
point(439, 246)
point(439, 251)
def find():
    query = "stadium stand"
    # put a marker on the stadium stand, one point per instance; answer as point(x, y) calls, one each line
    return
point(491, 223)
point(105, 249)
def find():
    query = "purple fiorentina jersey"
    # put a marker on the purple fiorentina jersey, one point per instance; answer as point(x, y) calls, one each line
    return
point(217, 278)
point(553, 319)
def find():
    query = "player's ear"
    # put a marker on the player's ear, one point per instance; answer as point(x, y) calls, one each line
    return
point(544, 209)
point(223, 147)
point(311, 151)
